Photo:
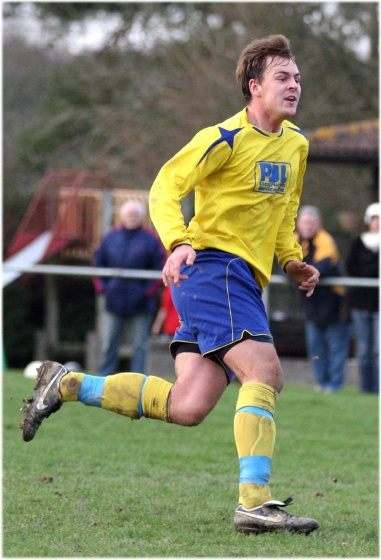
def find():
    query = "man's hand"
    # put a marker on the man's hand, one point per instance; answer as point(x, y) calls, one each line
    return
point(304, 274)
point(171, 271)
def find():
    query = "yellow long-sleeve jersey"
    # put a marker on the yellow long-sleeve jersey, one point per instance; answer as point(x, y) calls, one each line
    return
point(247, 185)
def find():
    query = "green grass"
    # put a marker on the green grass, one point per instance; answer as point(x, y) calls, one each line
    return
point(95, 484)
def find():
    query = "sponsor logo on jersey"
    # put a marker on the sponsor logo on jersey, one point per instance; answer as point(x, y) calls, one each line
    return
point(271, 177)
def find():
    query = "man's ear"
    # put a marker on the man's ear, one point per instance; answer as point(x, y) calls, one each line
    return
point(255, 88)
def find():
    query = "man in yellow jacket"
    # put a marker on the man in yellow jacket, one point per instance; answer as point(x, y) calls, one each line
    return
point(247, 174)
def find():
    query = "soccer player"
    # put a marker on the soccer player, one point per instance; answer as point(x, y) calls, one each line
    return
point(247, 173)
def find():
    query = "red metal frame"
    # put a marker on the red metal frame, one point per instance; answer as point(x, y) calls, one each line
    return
point(46, 214)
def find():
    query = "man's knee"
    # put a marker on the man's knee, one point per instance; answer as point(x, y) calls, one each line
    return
point(279, 381)
point(275, 373)
point(185, 415)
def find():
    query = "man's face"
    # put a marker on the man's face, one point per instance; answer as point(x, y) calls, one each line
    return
point(308, 225)
point(374, 224)
point(280, 88)
point(131, 217)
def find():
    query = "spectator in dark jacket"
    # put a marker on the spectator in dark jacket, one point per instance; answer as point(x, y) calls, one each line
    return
point(129, 302)
point(327, 334)
point(363, 261)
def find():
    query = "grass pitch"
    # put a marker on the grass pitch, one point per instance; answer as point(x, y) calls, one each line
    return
point(95, 484)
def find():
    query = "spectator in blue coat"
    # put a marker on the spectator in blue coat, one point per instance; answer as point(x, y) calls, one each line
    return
point(129, 302)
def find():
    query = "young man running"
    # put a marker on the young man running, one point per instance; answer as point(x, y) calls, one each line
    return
point(247, 173)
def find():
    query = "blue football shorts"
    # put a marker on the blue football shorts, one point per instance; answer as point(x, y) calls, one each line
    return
point(219, 305)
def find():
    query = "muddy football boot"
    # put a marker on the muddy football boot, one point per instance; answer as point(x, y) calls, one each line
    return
point(269, 517)
point(46, 398)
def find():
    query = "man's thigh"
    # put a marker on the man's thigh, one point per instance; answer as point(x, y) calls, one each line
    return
point(199, 385)
point(252, 360)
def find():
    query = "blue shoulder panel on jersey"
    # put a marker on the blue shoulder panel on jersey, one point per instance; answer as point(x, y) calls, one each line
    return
point(226, 136)
point(297, 130)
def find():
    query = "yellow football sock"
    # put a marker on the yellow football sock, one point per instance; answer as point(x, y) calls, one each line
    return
point(70, 385)
point(254, 431)
point(122, 393)
point(130, 394)
point(155, 398)
point(135, 395)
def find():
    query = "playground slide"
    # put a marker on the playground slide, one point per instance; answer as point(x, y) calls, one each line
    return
point(31, 254)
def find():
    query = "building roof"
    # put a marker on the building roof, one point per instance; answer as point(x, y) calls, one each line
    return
point(356, 142)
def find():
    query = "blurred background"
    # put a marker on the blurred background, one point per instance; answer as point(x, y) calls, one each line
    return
point(98, 96)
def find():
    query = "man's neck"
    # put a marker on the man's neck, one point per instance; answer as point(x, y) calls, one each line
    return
point(262, 120)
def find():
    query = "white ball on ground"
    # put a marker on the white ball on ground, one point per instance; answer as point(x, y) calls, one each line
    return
point(31, 369)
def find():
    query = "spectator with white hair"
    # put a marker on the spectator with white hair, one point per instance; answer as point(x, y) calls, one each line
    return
point(363, 261)
point(327, 333)
point(130, 302)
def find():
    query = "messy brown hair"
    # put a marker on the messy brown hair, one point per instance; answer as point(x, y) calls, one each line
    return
point(252, 62)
